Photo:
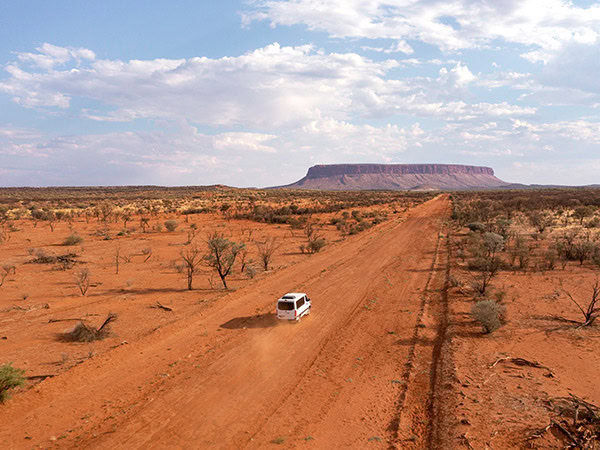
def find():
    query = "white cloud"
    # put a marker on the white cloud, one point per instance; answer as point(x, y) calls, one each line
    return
point(545, 26)
point(271, 87)
point(50, 55)
point(458, 76)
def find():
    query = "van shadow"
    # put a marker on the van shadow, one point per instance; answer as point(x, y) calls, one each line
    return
point(267, 320)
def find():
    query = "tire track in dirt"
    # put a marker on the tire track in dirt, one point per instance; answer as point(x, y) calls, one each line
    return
point(441, 366)
point(418, 422)
point(394, 426)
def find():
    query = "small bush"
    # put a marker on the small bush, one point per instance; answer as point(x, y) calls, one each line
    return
point(171, 225)
point(315, 246)
point(489, 313)
point(10, 378)
point(250, 271)
point(73, 239)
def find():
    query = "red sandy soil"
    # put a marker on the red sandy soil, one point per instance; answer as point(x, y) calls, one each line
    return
point(227, 374)
point(388, 358)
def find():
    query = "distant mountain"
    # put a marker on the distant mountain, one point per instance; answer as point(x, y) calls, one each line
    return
point(421, 177)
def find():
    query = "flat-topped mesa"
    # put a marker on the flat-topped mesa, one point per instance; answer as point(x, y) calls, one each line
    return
point(328, 170)
point(398, 177)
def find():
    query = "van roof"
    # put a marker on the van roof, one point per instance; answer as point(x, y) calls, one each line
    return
point(292, 296)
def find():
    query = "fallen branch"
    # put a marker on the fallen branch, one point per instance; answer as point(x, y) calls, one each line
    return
point(521, 362)
point(465, 441)
point(593, 409)
point(538, 433)
point(40, 377)
point(567, 433)
point(161, 306)
point(63, 320)
point(109, 319)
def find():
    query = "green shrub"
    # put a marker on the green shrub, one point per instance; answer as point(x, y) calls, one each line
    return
point(10, 378)
point(73, 239)
point(171, 225)
point(489, 313)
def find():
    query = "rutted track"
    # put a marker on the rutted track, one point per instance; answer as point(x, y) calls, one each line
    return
point(231, 377)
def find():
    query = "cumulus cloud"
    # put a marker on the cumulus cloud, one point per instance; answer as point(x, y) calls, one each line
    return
point(267, 88)
point(451, 25)
point(50, 55)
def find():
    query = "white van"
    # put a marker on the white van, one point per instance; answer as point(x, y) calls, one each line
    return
point(293, 306)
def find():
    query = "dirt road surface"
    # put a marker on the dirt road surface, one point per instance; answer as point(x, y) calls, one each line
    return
point(359, 371)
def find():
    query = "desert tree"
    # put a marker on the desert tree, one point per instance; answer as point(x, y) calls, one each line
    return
point(221, 255)
point(144, 223)
point(105, 212)
point(266, 250)
point(191, 233)
point(192, 257)
point(315, 241)
point(484, 270)
point(584, 249)
point(244, 258)
point(126, 217)
point(582, 212)
point(493, 243)
point(591, 311)
point(50, 217)
point(82, 280)
point(541, 220)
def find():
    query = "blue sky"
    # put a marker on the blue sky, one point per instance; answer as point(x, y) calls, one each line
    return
point(252, 93)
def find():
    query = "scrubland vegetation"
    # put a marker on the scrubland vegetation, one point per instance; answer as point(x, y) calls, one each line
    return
point(525, 268)
point(80, 254)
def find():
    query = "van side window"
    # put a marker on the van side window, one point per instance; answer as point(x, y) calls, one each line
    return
point(299, 303)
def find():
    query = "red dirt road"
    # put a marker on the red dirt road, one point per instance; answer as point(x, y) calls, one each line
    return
point(232, 377)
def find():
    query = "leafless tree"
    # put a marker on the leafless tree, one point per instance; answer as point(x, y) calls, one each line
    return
point(125, 217)
point(82, 279)
point(244, 258)
point(590, 312)
point(192, 233)
point(266, 250)
point(144, 223)
point(192, 258)
point(484, 270)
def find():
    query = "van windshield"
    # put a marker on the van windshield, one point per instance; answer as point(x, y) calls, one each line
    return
point(285, 306)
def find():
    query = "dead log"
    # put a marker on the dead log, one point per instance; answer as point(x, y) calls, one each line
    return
point(567, 433)
point(63, 320)
point(159, 305)
point(40, 377)
point(521, 362)
point(109, 319)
